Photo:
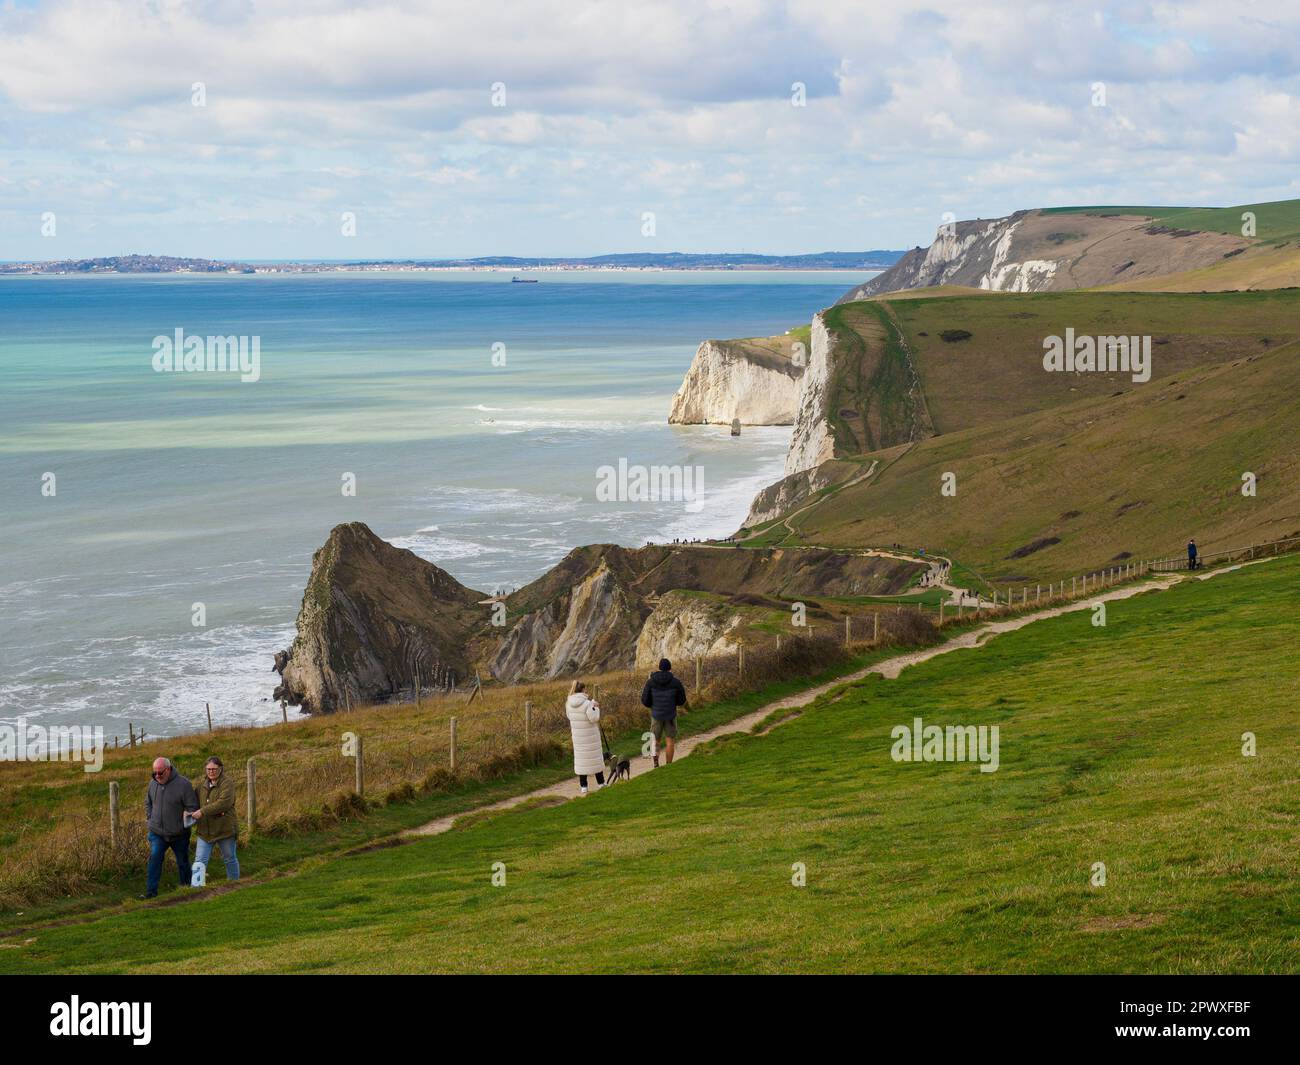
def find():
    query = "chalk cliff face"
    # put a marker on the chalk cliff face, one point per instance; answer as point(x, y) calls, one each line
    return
point(682, 626)
point(812, 442)
point(1038, 251)
point(592, 627)
point(756, 382)
point(976, 254)
point(788, 493)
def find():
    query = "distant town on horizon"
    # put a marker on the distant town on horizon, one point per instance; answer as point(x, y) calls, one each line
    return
point(879, 259)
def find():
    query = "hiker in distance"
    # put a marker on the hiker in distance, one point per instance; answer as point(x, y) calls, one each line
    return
point(588, 751)
point(662, 695)
point(168, 801)
point(216, 822)
point(1191, 554)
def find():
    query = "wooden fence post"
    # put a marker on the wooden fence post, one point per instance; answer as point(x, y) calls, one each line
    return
point(875, 628)
point(284, 711)
point(208, 708)
point(417, 687)
point(847, 629)
point(113, 819)
point(130, 734)
point(361, 766)
point(940, 613)
point(697, 672)
point(528, 721)
point(452, 762)
point(252, 795)
point(742, 659)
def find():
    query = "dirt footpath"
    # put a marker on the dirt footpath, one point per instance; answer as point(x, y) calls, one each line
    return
point(889, 668)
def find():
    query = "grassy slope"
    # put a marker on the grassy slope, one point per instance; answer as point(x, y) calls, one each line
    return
point(38, 796)
point(1107, 756)
point(998, 373)
point(1265, 266)
point(868, 404)
point(1144, 471)
point(1277, 220)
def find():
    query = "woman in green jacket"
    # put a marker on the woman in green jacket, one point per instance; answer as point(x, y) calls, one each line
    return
point(215, 818)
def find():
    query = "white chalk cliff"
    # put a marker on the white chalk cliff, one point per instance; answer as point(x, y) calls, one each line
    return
point(1050, 251)
point(812, 442)
point(731, 380)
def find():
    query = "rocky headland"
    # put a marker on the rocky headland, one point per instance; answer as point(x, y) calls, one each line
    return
point(377, 618)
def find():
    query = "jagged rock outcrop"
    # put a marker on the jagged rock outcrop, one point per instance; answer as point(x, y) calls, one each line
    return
point(790, 492)
point(751, 381)
point(372, 616)
point(1038, 251)
point(813, 442)
point(598, 631)
point(592, 610)
point(976, 254)
point(682, 626)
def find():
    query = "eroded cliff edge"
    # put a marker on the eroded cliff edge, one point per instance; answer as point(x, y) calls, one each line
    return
point(753, 381)
point(374, 617)
point(1050, 250)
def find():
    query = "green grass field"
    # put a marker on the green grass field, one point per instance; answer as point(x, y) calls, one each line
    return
point(1119, 745)
point(1059, 474)
point(998, 372)
point(1086, 485)
point(1276, 220)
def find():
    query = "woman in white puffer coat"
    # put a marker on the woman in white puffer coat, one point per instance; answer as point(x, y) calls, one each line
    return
point(588, 750)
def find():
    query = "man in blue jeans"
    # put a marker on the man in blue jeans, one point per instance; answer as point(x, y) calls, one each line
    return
point(167, 800)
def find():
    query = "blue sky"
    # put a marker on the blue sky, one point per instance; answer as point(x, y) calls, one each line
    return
point(612, 110)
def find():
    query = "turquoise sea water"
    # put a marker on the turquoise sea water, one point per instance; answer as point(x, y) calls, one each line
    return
point(174, 489)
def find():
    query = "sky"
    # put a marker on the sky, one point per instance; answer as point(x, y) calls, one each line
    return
point(263, 129)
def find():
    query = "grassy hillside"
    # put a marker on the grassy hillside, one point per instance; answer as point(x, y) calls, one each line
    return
point(997, 372)
point(1260, 267)
point(1277, 220)
point(55, 851)
point(1107, 755)
point(870, 400)
point(1094, 481)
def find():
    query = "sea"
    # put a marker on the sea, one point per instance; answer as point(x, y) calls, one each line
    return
point(158, 527)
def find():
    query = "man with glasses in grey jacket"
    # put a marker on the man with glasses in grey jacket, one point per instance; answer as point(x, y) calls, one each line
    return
point(167, 801)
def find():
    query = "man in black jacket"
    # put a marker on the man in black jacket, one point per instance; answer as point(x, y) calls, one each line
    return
point(663, 694)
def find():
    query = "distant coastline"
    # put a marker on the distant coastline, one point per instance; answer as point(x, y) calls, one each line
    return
point(167, 264)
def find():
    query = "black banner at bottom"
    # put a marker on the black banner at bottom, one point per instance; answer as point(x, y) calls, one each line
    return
point(302, 1013)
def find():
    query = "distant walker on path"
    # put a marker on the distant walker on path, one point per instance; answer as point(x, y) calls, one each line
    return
point(1192, 562)
point(662, 695)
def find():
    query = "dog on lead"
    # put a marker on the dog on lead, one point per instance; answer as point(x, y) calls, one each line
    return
point(619, 768)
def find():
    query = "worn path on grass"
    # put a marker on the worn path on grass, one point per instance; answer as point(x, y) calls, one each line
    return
point(889, 668)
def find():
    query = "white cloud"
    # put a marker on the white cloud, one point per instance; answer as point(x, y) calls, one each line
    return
point(975, 105)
